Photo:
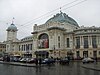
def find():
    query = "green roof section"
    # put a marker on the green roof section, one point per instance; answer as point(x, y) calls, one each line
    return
point(12, 27)
point(62, 17)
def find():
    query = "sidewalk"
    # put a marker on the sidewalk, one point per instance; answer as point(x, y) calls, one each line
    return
point(92, 66)
point(20, 64)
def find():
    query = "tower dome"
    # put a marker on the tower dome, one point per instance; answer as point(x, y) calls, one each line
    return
point(62, 17)
point(12, 27)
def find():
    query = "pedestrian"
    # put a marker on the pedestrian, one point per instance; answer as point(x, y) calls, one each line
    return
point(40, 61)
point(95, 59)
point(36, 61)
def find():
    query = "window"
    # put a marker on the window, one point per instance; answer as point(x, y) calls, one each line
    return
point(85, 30)
point(85, 41)
point(19, 47)
point(22, 47)
point(94, 45)
point(77, 42)
point(30, 46)
point(99, 52)
point(58, 38)
point(68, 45)
point(43, 41)
point(59, 45)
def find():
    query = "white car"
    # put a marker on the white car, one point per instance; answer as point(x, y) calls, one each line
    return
point(87, 60)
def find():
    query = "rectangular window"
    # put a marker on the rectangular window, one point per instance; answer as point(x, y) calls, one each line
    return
point(22, 47)
point(58, 41)
point(94, 42)
point(99, 52)
point(58, 38)
point(30, 46)
point(86, 42)
point(59, 45)
point(68, 45)
point(77, 42)
point(19, 47)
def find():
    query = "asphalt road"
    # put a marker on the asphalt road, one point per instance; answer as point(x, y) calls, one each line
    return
point(74, 68)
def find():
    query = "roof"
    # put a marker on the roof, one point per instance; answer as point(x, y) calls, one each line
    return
point(12, 27)
point(62, 17)
point(27, 38)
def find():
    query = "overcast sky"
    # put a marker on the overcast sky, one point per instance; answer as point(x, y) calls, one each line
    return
point(30, 12)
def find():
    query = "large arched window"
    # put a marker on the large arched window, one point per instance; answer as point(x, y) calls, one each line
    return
point(43, 41)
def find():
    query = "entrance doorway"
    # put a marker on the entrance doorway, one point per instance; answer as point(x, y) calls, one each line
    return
point(85, 54)
point(95, 54)
point(78, 54)
point(42, 54)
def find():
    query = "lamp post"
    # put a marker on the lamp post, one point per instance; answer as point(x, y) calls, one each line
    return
point(54, 50)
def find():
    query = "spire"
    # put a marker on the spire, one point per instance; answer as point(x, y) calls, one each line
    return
point(13, 20)
point(60, 10)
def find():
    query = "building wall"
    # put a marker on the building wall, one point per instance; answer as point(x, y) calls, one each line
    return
point(57, 46)
point(90, 33)
point(2, 48)
point(72, 33)
point(11, 35)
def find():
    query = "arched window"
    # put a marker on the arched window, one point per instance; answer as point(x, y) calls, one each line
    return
point(43, 41)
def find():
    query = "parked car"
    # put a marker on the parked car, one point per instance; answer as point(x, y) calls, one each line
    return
point(87, 60)
point(32, 60)
point(27, 60)
point(1, 58)
point(23, 60)
point(64, 61)
point(48, 61)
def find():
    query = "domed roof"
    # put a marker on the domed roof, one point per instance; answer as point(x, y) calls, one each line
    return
point(12, 27)
point(62, 17)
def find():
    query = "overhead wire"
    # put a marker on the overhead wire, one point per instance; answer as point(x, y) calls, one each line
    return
point(62, 9)
point(57, 8)
point(46, 15)
point(49, 12)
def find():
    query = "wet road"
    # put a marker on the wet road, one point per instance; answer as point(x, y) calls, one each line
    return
point(72, 69)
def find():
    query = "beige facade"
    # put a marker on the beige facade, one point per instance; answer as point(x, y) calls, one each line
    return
point(66, 39)
point(89, 42)
point(60, 36)
point(2, 48)
point(25, 46)
point(56, 32)
point(17, 47)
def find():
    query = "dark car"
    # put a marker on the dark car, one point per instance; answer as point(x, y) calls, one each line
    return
point(64, 61)
point(31, 60)
point(48, 61)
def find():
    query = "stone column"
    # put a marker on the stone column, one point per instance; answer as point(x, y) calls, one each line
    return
point(74, 42)
point(81, 42)
point(98, 41)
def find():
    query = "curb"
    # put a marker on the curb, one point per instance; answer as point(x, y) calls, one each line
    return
point(92, 68)
point(20, 64)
